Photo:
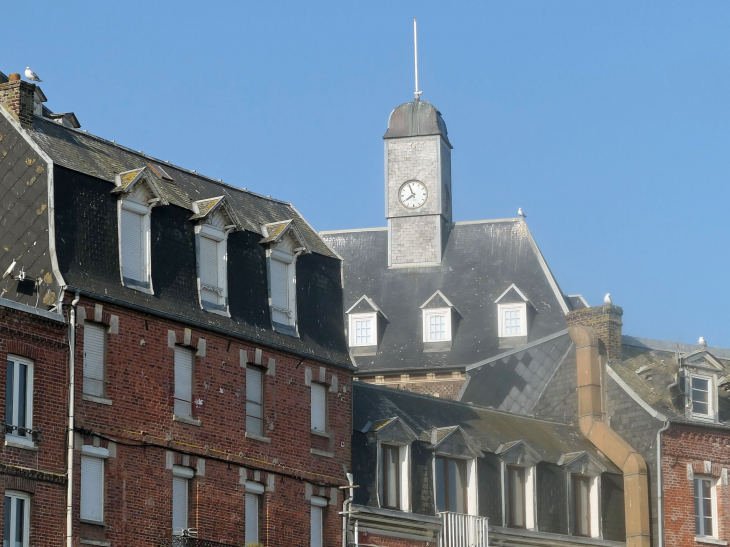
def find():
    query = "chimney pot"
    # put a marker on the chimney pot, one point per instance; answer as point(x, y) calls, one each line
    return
point(14, 77)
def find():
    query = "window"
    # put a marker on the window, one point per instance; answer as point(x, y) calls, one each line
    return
point(212, 267)
point(319, 407)
point(280, 292)
point(254, 401)
point(512, 320)
point(581, 506)
point(705, 507)
point(391, 477)
point(363, 329)
point(17, 519)
point(252, 508)
point(316, 517)
point(701, 396)
point(92, 483)
point(180, 487)
point(516, 498)
point(437, 325)
point(94, 356)
point(183, 382)
point(19, 399)
point(451, 485)
point(135, 243)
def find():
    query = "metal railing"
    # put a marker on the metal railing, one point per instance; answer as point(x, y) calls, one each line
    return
point(186, 541)
point(459, 530)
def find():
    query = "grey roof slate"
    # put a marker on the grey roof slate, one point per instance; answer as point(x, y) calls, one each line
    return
point(487, 428)
point(480, 261)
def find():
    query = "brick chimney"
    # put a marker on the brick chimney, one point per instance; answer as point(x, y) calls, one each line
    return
point(18, 98)
point(605, 322)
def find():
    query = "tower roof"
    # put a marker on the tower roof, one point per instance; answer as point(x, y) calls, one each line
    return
point(417, 118)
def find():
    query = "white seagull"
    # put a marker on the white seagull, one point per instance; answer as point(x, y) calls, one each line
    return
point(519, 212)
point(702, 342)
point(607, 299)
point(32, 76)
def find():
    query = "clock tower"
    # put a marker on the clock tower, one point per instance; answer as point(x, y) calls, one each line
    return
point(417, 185)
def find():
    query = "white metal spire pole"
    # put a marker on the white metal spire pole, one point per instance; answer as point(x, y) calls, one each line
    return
point(417, 93)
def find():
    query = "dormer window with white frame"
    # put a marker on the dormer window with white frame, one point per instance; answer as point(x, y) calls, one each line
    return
point(583, 472)
point(519, 463)
point(285, 244)
point(437, 319)
point(394, 439)
point(217, 220)
point(139, 194)
point(700, 371)
point(363, 321)
point(512, 313)
point(456, 470)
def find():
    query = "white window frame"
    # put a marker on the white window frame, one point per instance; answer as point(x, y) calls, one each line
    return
point(713, 494)
point(260, 371)
point(144, 284)
point(354, 318)
point(470, 465)
point(188, 415)
point(14, 435)
point(404, 474)
point(102, 380)
point(285, 252)
point(257, 490)
point(88, 451)
point(530, 494)
point(13, 495)
point(593, 504)
point(522, 308)
point(711, 396)
point(186, 474)
point(318, 504)
point(324, 389)
point(427, 314)
point(220, 237)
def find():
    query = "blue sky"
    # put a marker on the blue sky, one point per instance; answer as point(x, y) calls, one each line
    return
point(607, 122)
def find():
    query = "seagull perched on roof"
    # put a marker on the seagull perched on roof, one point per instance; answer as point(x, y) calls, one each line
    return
point(607, 299)
point(519, 212)
point(702, 342)
point(32, 76)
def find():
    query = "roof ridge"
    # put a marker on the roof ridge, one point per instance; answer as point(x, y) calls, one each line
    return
point(164, 162)
point(431, 398)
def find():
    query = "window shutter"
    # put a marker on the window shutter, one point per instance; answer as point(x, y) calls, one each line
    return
point(94, 337)
point(319, 407)
point(179, 504)
point(132, 247)
point(316, 527)
point(252, 519)
point(92, 488)
point(183, 381)
point(209, 269)
point(280, 290)
point(254, 402)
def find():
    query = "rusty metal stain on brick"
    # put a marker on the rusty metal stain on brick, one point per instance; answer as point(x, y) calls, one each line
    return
point(40, 211)
point(29, 161)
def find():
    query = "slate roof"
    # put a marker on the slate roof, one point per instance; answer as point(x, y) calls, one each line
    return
point(103, 159)
point(650, 366)
point(487, 428)
point(480, 261)
point(514, 381)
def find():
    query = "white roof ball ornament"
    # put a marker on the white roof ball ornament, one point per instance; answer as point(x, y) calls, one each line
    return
point(32, 76)
point(519, 212)
point(702, 342)
point(607, 299)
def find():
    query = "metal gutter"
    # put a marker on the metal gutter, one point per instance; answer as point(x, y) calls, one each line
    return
point(53, 316)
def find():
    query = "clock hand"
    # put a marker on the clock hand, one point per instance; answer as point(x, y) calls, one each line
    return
point(409, 197)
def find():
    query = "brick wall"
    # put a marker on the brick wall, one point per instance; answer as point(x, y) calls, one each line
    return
point(605, 322)
point(388, 541)
point(442, 384)
point(690, 446)
point(139, 422)
point(18, 98)
point(38, 473)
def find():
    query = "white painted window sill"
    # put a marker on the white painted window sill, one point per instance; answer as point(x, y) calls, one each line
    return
point(95, 399)
point(94, 542)
point(710, 541)
point(321, 433)
point(321, 453)
point(186, 420)
point(20, 442)
point(257, 437)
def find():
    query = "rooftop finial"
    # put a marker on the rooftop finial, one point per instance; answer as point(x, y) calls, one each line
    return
point(417, 94)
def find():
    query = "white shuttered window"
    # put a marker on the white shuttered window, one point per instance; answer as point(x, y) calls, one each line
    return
point(179, 505)
point(280, 291)
point(316, 527)
point(319, 407)
point(252, 519)
point(94, 345)
point(17, 522)
point(183, 382)
point(92, 488)
point(254, 401)
point(210, 285)
point(133, 246)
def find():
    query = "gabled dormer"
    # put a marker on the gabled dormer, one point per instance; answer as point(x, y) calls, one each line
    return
point(284, 243)
point(698, 375)
point(583, 474)
point(138, 193)
point(456, 470)
point(519, 500)
point(366, 322)
point(214, 220)
point(514, 316)
point(438, 317)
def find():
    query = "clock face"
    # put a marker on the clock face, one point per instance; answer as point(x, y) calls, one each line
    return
point(412, 194)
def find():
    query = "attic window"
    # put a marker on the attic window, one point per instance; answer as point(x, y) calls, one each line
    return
point(134, 234)
point(212, 262)
point(512, 313)
point(363, 329)
point(437, 318)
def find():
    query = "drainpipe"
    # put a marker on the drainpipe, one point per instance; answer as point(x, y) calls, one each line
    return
point(659, 486)
point(346, 510)
point(70, 447)
point(357, 535)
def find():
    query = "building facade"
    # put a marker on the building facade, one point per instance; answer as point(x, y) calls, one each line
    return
point(197, 360)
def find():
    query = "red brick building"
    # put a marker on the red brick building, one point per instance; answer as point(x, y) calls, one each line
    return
point(210, 380)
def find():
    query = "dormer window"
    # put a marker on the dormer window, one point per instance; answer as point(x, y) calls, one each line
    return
point(700, 370)
point(701, 403)
point(456, 470)
point(519, 462)
point(584, 473)
point(513, 308)
point(217, 220)
point(364, 325)
point(437, 320)
point(394, 440)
